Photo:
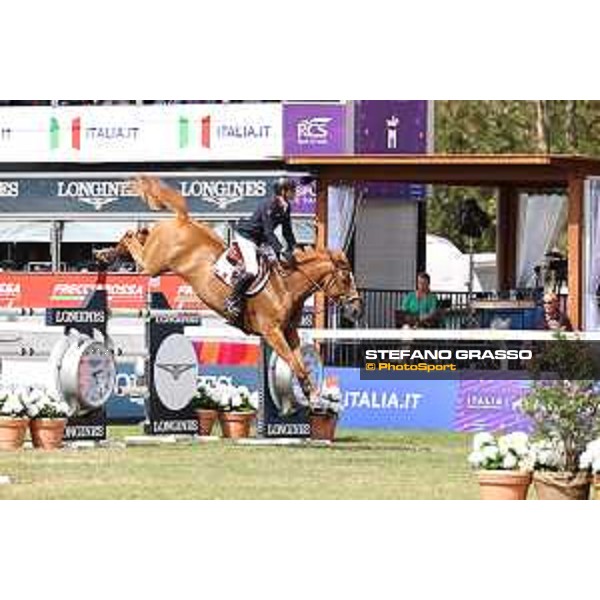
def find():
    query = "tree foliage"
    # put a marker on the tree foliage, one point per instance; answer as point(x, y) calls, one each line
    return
point(504, 126)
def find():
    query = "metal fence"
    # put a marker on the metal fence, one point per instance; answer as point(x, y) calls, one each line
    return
point(381, 305)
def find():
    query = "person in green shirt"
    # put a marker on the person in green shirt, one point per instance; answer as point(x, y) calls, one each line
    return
point(420, 308)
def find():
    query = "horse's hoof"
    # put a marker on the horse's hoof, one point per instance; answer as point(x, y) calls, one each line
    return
point(106, 256)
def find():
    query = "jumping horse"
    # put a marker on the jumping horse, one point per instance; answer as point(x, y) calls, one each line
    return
point(191, 249)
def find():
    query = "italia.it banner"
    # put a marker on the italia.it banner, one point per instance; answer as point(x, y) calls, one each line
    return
point(192, 132)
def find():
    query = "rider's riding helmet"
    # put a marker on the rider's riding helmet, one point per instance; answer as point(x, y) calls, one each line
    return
point(284, 184)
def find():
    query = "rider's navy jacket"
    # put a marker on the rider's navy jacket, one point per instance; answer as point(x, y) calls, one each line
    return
point(260, 227)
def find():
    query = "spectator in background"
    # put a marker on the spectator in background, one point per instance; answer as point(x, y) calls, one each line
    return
point(420, 308)
point(553, 319)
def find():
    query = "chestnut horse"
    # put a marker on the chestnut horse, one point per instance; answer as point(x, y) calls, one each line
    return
point(190, 249)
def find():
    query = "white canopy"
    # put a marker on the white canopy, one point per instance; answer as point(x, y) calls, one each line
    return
point(89, 231)
point(15, 231)
point(448, 266)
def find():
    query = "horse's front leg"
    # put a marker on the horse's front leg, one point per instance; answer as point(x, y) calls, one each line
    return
point(278, 341)
point(295, 344)
point(308, 387)
point(134, 247)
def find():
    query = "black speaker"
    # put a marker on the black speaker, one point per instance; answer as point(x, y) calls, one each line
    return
point(473, 220)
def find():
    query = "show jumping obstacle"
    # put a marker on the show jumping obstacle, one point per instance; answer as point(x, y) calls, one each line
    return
point(168, 380)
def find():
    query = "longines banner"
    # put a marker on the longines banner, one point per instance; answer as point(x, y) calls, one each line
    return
point(192, 132)
point(102, 194)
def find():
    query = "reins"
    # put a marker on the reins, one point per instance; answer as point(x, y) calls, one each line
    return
point(318, 287)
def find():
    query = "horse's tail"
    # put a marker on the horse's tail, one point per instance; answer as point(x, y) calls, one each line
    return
point(161, 197)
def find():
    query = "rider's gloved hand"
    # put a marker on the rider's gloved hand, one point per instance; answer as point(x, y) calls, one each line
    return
point(288, 257)
point(269, 254)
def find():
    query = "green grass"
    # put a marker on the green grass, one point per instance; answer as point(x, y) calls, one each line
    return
point(361, 465)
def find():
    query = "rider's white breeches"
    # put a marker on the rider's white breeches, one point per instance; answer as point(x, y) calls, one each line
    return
point(248, 250)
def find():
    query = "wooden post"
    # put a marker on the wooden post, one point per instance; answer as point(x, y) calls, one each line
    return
point(507, 213)
point(575, 250)
point(321, 242)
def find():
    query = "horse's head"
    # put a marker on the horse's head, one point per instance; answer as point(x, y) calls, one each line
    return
point(341, 287)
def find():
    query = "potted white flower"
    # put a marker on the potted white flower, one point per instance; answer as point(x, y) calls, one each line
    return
point(503, 465)
point(237, 410)
point(14, 419)
point(566, 417)
point(49, 417)
point(325, 412)
point(564, 411)
point(206, 405)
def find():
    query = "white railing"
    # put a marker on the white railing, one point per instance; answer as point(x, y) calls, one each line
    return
point(442, 335)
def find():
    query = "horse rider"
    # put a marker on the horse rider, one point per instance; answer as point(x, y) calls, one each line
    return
point(259, 229)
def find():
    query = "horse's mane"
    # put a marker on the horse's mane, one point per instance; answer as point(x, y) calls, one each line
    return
point(309, 254)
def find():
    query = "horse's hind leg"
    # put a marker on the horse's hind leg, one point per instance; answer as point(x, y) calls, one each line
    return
point(150, 257)
point(130, 244)
point(134, 247)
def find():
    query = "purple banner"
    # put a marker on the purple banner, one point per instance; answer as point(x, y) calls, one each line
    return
point(487, 405)
point(314, 129)
point(305, 202)
point(391, 127)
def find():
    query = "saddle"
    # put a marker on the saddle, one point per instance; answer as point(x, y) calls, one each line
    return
point(230, 267)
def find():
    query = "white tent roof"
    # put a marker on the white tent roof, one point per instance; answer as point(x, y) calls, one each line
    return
point(448, 266)
point(16, 231)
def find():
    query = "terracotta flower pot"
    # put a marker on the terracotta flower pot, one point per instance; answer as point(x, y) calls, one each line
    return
point(562, 486)
point(597, 487)
point(236, 425)
point(206, 420)
point(47, 434)
point(504, 485)
point(12, 433)
point(322, 427)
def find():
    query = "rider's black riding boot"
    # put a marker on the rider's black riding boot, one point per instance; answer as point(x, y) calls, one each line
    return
point(236, 302)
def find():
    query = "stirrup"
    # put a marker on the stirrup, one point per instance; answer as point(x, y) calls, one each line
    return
point(233, 308)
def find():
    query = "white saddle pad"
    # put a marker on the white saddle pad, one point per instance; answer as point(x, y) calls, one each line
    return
point(229, 268)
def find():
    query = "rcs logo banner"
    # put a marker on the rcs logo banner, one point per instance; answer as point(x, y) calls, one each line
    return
point(314, 128)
